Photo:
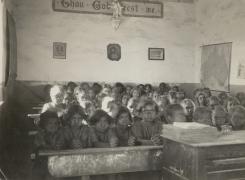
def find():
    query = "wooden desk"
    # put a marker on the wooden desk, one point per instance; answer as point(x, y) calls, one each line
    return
point(98, 161)
point(219, 158)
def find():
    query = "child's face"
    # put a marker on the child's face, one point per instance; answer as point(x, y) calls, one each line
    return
point(76, 120)
point(124, 119)
point(90, 111)
point(125, 99)
point(106, 91)
point(189, 108)
point(155, 96)
point(172, 98)
point(91, 94)
point(212, 104)
point(230, 104)
point(52, 125)
point(201, 99)
point(57, 98)
point(102, 125)
point(136, 94)
point(147, 89)
point(82, 99)
point(178, 116)
point(67, 99)
point(149, 113)
point(128, 89)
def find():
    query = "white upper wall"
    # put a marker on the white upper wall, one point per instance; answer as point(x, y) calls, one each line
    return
point(221, 21)
point(87, 37)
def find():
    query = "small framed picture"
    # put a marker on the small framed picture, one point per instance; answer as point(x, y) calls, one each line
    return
point(156, 54)
point(59, 50)
point(114, 52)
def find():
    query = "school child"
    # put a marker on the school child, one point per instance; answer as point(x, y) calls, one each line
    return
point(207, 92)
point(50, 137)
point(203, 115)
point(104, 135)
point(89, 110)
point(148, 89)
point(163, 89)
point(82, 97)
point(119, 88)
point(97, 88)
point(189, 108)
point(68, 100)
point(201, 100)
point(175, 113)
point(180, 95)
point(77, 133)
point(219, 117)
point(56, 104)
point(85, 86)
point(231, 101)
point(148, 130)
point(114, 109)
point(223, 98)
point(175, 88)
point(237, 117)
point(133, 101)
point(213, 101)
point(129, 90)
point(70, 87)
point(155, 96)
point(125, 99)
point(172, 97)
point(123, 128)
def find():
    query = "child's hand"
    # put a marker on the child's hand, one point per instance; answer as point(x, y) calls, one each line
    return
point(156, 140)
point(113, 142)
point(131, 141)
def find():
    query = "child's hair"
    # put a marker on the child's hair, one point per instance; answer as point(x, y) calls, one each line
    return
point(163, 87)
point(184, 103)
point(222, 97)
point(149, 86)
point(98, 115)
point(123, 110)
point(74, 109)
point(171, 109)
point(207, 92)
point(120, 87)
point(97, 88)
point(56, 89)
point(237, 117)
point(203, 115)
point(71, 85)
point(215, 101)
point(149, 102)
point(44, 118)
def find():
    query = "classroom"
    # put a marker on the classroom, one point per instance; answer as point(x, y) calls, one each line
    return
point(122, 89)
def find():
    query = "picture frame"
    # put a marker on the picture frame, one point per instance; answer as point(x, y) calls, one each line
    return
point(156, 54)
point(59, 50)
point(114, 52)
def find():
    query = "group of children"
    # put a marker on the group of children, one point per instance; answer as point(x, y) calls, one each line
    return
point(85, 116)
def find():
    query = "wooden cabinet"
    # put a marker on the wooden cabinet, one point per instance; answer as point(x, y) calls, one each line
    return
point(220, 158)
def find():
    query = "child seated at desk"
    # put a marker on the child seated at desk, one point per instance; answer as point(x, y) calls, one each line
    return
point(189, 108)
point(123, 128)
point(56, 104)
point(149, 129)
point(175, 113)
point(203, 115)
point(76, 132)
point(237, 117)
point(219, 117)
point(101, 127)
point(50, 135)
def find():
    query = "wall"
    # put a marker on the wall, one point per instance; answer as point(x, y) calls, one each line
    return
point(2, 49)
point(38, 26)
point(221, 21)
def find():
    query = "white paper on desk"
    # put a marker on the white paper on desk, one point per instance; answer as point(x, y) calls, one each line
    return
point(190, 125)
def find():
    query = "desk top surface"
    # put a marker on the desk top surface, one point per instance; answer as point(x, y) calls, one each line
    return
point(235, 137)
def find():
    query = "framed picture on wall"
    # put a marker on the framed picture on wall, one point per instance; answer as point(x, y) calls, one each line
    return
point(59, 50)
point(156, 54)
point(114, 52)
